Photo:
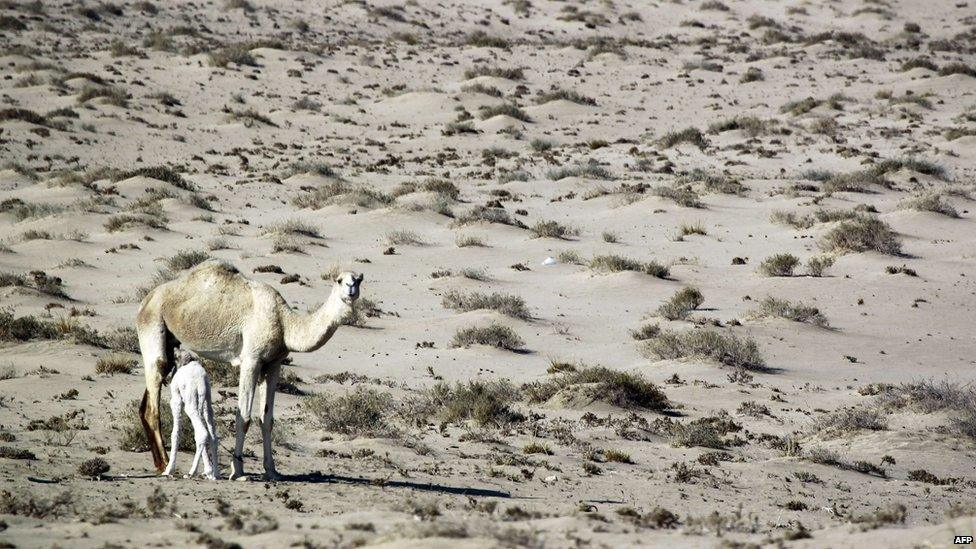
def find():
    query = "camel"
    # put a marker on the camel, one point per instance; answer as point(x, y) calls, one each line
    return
point(219, 314)
point(190, 391)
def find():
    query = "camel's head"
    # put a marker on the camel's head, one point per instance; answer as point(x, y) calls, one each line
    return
point(348, 283)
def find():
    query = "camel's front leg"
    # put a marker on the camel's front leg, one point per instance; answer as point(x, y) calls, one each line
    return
point(156, 370)
point(265, 407)
point(245, 399)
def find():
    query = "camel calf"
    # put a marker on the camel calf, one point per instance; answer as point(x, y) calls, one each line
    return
point(190, 392)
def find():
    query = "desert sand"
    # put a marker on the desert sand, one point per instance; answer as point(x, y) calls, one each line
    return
point(721, 254)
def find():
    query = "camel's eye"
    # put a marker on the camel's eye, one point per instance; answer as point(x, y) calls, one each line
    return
point(339, 280)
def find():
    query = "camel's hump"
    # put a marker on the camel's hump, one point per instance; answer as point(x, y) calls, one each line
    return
point(217, 265)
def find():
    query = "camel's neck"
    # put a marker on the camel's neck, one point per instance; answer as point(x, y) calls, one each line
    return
point(307, 332)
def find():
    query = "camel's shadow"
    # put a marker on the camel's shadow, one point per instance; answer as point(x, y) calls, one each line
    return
point(317, 477)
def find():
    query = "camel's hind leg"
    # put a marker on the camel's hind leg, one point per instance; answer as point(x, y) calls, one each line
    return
point(176, 406)
point(156, 346)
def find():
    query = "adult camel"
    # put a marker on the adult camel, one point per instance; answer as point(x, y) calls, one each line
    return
point(218, 313)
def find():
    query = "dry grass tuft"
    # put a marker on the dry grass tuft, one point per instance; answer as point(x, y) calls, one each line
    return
point(362, 412)
point(797, 312)
point(494, 335)
point(622, 389)
point(861, 234)
point(726, 349)
point(510, 305)
point(779, 265)
point(115, 363)
point(615, 264)
point(681, 303)
point(486, 403)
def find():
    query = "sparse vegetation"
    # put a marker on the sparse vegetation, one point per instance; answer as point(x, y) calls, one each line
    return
point(861, 234)
point(957, 68)
point(361, 412)
point(932, 202)
point(486, 403)
point(692, 136)
point(797, 312)
point(681, 303)
point(495, 72)
point(553, 229)
point(484, 40)
point(94, 468)
point(622, 389)
point(404, 238)
point(115, 364)
point(488, 111)
point(510, 305)
point(779, 265)
point(564, 95)
point(493, 335)
point(588, 170)
point(851, 420)
point(615, 264)
point(725, 348)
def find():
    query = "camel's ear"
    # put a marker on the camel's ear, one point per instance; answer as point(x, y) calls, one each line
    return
point(358, 279)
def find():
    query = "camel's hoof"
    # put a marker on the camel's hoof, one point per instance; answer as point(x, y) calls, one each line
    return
point(240, 477)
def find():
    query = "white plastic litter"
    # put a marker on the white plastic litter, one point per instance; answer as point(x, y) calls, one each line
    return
point(549, 261)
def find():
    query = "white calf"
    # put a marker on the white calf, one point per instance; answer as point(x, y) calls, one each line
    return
point(190, 391)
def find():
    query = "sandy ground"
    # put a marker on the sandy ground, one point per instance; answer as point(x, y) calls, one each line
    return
point(369, 97)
